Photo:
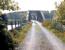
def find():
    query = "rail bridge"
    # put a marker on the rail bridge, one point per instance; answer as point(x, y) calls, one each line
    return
point(18, 19)
point(36, 15)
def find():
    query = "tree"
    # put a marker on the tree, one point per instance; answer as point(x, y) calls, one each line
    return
point(8, 5)
point(61, 12)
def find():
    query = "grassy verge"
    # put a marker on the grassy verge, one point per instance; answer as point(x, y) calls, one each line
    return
point(59, 34)
point(19, 35)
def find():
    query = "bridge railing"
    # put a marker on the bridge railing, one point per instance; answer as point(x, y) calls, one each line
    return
point(15, 20)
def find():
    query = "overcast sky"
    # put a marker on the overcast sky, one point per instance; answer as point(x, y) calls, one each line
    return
point(37, 4)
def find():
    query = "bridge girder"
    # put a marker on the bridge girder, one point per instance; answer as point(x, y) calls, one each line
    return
point(36, 15)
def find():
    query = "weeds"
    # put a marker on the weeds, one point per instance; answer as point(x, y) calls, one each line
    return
point(52, 27)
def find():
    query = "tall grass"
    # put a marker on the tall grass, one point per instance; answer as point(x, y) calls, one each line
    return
point(19, 35)
point(52, 27)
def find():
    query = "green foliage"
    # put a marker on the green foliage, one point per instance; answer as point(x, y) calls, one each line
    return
point(52, 24)
point(61, 13)
point(8, 5)
point(3, 30)
point(19, 35)
point(56, 28)
point(48, 24)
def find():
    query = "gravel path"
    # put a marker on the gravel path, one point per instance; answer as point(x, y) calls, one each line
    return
point(39, 38)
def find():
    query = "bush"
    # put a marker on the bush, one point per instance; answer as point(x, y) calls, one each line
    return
point(48, 24)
